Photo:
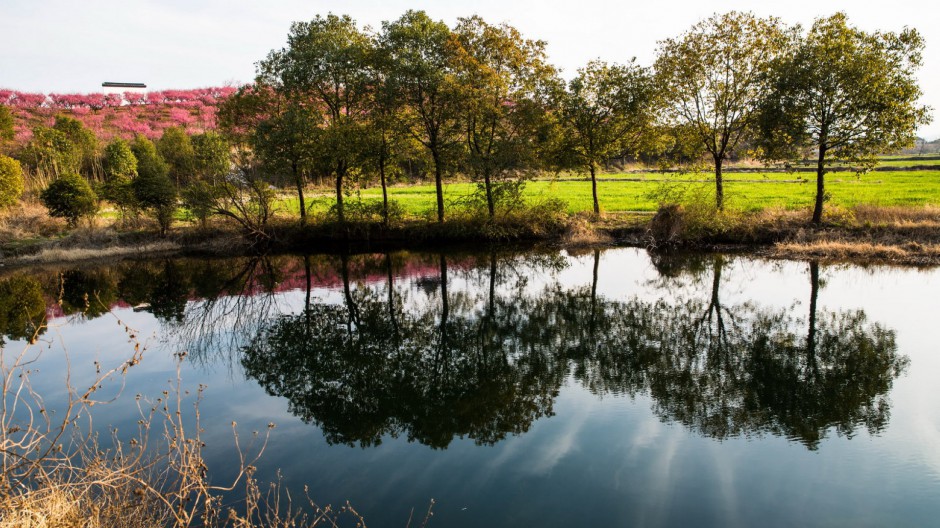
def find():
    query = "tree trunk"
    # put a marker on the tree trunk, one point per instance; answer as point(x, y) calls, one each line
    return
point(489, 194)
point(340, 213)
point(438, 182)
point(597, 206)
point(820, 183)
point(299, 182)
point(719, 184)
point(384, 189)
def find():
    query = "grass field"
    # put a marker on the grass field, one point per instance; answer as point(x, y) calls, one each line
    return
point(622, 192)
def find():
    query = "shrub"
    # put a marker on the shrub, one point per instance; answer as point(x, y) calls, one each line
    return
point(157, 194)
point(11, 181)
point(120, 168)
point(70, 197)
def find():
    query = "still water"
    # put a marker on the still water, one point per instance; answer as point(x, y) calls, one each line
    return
point(603, 388)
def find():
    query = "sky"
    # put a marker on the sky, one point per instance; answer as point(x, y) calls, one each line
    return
point(70, 46)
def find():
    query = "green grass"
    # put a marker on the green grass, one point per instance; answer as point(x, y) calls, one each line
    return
point(742, 191)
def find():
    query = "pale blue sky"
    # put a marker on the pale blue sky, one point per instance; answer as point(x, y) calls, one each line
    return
point(66, 45)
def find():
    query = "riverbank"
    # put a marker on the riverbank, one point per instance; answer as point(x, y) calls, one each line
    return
point(878, 235)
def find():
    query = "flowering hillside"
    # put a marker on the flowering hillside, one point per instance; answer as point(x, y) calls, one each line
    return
point(113, 115)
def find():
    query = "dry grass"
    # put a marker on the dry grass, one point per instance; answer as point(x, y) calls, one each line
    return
point(906, 253)
point(898, 216)
point(583, 230)
point(26, 220)
point(75, 254)
point(54, 473)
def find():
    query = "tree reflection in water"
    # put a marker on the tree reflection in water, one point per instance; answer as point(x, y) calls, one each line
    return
point(487, 366)
point(473, 349)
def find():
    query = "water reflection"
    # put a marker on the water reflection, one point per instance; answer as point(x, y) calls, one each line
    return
point(434, 347)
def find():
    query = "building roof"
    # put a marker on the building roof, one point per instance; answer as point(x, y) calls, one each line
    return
point(123, 85)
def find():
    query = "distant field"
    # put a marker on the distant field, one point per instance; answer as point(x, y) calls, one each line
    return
point(618, 192)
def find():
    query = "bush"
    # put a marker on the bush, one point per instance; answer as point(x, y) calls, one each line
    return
point(157, 194)
point(70, 197)
point(11, 181)
point(120, 168)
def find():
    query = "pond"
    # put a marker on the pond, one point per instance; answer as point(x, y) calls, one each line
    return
point(549, 388)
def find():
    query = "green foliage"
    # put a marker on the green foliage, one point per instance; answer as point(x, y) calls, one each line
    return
point(325, 69)
point(157, 194)
point(608, 110)
point(420, 59)
point(211, 155)
point(200, 198)
point(11, 181)
point(865, 82)
point(504, 81)
point(22, 308)
point(120, 169)
point(84, 141)
point(713, 78)
point(70, 197)
point(6, 124)
point(51, 152)
point(150, 163)
point(176, 149)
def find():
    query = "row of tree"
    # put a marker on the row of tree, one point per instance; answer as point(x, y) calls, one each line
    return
point(482, 99)
point(339, 102)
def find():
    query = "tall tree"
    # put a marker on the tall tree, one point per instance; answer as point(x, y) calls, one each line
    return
point(325, 68)
point(421, 72)
point(176, 148)
point(289, 142)
point(607, 110)
point(84, 141)
point(845, 93)
point(120, 169)
point(714, 76)
point(504, 79)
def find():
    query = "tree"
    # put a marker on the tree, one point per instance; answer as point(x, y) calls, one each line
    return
point(51, 153)
point(288, 142)
point(845, 93)
point(70, 197)
point(607, 110)
point(156, 193)
point(120, 169)
point(713, 78)
point(211, 156)
point(176, 148)
point(150, 163)
point(7, 132)
point(324, 68)
point(504, 79)
point(84, 141)
point(11, 181)
point(421, 73)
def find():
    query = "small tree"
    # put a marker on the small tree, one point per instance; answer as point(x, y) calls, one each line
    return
point(176, 148)
point(845, 93)
point(607, 110)
point(50, 153)
point(157, 194)
point(11, 181)
point(84, 141)
point(713, 78)
point(120, 169)
point(70, 197)
point(149, 162)
point(211, 156)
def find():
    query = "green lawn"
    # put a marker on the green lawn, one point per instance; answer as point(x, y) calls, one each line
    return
point(742, 191)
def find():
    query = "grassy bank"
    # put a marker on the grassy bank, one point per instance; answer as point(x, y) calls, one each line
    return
point(885, 216)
